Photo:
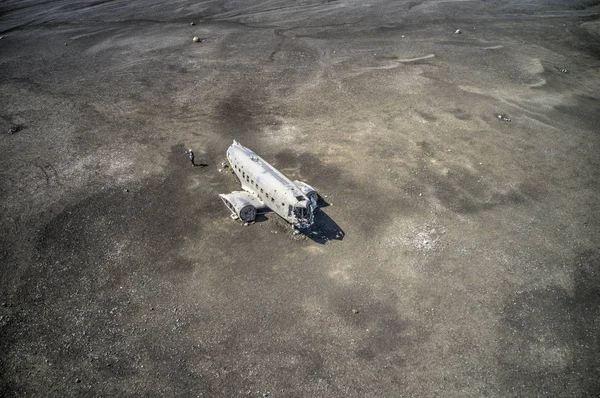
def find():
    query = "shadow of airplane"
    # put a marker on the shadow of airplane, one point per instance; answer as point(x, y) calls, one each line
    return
point(324, 229)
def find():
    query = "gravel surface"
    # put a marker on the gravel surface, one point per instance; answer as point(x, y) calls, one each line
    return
point(458, 255)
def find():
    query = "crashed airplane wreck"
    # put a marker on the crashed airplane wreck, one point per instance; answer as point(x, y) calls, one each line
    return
point(267, 189)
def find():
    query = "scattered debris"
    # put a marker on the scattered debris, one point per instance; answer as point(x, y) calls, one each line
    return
point(13, 129)
point(564, 70)
point(196, 39)
point(224, 167)
point(504, 118)
point(458, 32)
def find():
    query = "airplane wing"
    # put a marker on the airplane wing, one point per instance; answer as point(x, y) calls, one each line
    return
point(243, 205)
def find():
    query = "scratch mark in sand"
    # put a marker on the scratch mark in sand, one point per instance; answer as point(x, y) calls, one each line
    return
point(416, 59)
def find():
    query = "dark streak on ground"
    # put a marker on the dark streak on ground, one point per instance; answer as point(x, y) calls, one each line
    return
point(569, 342)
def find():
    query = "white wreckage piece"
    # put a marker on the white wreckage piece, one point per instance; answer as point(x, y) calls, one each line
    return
point(265, 188)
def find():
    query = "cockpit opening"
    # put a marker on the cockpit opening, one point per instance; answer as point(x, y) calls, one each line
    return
point(299, 212)
point(304, 214)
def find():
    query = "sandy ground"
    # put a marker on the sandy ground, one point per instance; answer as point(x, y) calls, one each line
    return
point(460, 255)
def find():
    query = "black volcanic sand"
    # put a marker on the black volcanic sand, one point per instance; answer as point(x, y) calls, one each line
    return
point(460, 251)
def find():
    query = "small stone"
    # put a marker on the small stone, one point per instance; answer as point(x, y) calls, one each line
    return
point(196, 39)
point(403, 36)
point(564, 70)
point(458, 32)
point(355, 311)
point(499, 116)
point(192, 23)
point(151, 308)
point(126, 190)
point(78, 381)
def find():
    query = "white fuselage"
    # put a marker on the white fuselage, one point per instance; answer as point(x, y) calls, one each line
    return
point(272, 188)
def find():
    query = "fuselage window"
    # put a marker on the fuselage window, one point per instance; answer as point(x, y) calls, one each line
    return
point(273, 200)
point(267, 195)
point(261, 190)
point(282, 204)
point(243, 174)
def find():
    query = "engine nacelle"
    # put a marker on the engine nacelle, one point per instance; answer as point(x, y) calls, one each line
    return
point(309, 191)
point(239, 206)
